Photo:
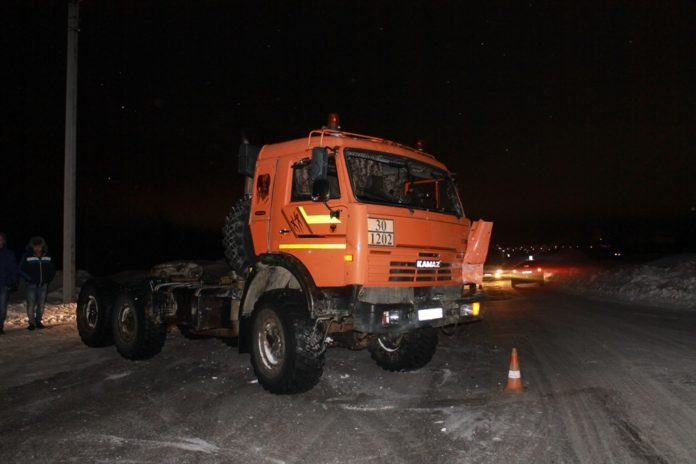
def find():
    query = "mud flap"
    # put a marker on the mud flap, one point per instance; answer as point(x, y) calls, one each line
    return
point(476, 251)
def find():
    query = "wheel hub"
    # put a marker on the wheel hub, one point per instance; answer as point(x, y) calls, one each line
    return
point(389, 344)
point(92, 312)
point(271, 344)
point(126, 322)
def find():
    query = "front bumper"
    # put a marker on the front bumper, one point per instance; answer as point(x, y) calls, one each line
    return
point(404, 317)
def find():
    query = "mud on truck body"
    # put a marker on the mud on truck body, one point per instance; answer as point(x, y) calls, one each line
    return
point(341, 239)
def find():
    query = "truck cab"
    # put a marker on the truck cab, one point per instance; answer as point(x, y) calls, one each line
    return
point(377, 227)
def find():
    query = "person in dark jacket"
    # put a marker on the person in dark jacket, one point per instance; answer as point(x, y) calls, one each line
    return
point(8, 278)
point(37, 269)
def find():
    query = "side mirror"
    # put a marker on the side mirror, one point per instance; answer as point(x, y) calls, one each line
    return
point(248, 154)
point(318, 171)
point(320, 165)
point(321, 190)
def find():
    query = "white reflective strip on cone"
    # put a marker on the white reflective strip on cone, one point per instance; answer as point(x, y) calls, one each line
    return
point(514, 375)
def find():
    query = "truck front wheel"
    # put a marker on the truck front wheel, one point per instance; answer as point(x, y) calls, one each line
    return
point(284, 349)
point(136, 336)
point(404, 352)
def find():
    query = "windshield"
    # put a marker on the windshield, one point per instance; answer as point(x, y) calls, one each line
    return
point(399, 181)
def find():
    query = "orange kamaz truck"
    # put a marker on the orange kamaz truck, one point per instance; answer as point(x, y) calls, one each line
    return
point(341, 239)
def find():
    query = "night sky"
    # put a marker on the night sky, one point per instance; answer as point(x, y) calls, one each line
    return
point(564, 122)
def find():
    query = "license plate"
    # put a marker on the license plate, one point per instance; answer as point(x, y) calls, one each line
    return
point(381, 239)
point(429, 314)
point(380, 232)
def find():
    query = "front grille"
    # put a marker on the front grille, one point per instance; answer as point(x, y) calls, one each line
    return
point(408, 271)
point(399, 266)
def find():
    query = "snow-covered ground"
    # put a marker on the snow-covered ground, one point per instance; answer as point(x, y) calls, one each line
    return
point(55, 312)
point(667, 282)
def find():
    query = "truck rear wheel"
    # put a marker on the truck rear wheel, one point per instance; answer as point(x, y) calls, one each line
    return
point(236, 237)
point(93, 315)
point(284, 349)
point(136, 336)
point(404, 352)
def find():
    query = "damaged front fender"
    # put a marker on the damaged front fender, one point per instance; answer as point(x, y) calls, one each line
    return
point(476, 251)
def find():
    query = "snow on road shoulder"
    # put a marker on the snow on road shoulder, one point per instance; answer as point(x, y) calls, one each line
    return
point(54, 312)
point(669, 281)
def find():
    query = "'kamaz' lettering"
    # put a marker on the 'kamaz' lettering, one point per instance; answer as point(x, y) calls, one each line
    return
point(424, 263)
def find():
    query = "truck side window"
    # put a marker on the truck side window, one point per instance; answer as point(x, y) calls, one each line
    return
point(302, 183)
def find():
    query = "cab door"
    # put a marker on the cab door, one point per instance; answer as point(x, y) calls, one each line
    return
point(262, 204)
point(314, 232)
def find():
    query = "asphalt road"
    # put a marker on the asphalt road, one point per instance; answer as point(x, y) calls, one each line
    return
point(604, 382)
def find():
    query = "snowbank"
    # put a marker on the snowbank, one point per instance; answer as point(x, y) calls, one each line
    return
point(669, 281)
point(55, 312)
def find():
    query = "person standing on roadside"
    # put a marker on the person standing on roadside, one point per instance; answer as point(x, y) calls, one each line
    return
point(8, 278)
point(37, 270)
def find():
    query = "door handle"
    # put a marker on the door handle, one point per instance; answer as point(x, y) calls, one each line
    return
point(284, 231)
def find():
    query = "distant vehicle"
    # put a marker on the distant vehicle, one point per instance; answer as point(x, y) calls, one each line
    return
point(526, 272)
point(493, 272)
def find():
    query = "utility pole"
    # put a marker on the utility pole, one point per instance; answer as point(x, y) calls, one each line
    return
point(70, 171)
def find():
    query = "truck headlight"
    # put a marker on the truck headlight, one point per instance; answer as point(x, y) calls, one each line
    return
point(391, 317)
point(470, 310)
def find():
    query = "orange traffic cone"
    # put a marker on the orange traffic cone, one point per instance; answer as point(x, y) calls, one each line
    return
point(514, 383)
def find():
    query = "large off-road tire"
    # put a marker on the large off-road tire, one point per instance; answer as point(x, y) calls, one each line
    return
point(136, 336)
point(404, 352)
point(286, 351)
point(93, 314)
point(236, 238)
